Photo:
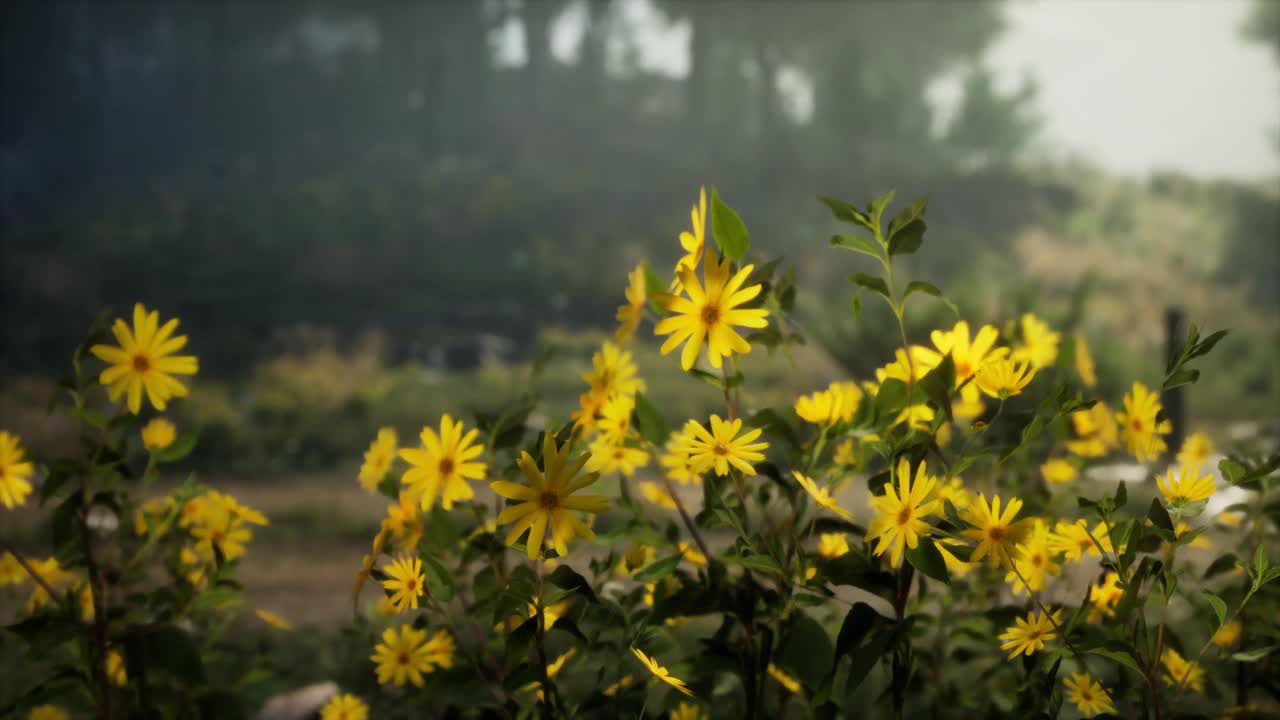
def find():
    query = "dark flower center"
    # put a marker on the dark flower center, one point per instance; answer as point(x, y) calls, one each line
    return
point(720, 449)
point(141, 363)
point(996, 533)
point(446, 466)
point(710, 315)
point(549, 501)
point(904, 516)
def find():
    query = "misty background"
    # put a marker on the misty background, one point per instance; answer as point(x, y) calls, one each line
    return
point(368, 213)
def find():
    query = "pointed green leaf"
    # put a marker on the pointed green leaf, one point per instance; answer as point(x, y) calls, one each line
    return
point(1219, 607)
point(729, 231)
point(857, 243)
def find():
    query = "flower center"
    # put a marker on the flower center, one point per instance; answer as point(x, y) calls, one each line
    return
point(411, 584)
point(904, 516)
point(1136, 424)
point(618, 453)
point(1037, 560)
point(710, 315)
point(720, 449)
point(141, 363)
point(403, 658)
point(446, 466)
point(996, 533)
point(549, 501)
point(963, 369)
point(1033, 636)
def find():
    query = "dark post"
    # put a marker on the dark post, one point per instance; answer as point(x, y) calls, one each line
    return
point(1174, 400)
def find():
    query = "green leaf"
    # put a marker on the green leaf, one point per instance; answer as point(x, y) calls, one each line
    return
point(1159, 516)
point(566, 578)
point(1252, 656)
point(439, 580)
point(729, 231)
point(762, 563)
point(857, 623)
point(857, 243)
point(170, 649)
point(1220, 564)
point(805, 649)
point(1123, 657)
point(872, 283)
point(1231, 470)
point(875, 208)
point(891, 398)
point(939, 383)
point(659, 569)
point(926, 558)
point(921, 286)
point(1219, 607)
point(1183, 376)
point(180, 448)
point(650, 421)
point(90, 417)
point(864, 661)
point(845, 212)
point(907, 215)
point(908, 239)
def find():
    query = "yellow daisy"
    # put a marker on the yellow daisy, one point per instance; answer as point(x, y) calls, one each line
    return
point(676, 463)
point(158, 434)
point(145, 360)
point(967, 355)
point(1085, 366)
point(661, 672)
point(1105, 596)
point(1196, 450)
point(544, 505)
point(408, 655)
point(1097, 431)
point(996, 533)
point(694, 240)
point(613, 371)
point(404, 521)
point(1039, 345)
point(1186, 487)
point(1072, 539)
point(378, 459)
point(14, 472)
point(832, 545)
point(1003, 378)
point(344, 707)
point(900, 516)
point(1029, 635)
point(723, 447)
point(1139, 425)
point(405, 582)
point(821, 496)
point(709, 313)
point(837, 403)
point(629, 315)
point(1180, 671)
point(1033, 559)
point(444, 463)
point(1059, 470)
point(607, 457)
point(1087, 694)
point(614, 423)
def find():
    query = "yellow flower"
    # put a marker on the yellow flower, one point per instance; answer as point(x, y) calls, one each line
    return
point(443, 465)
point(407, 655)
point(1059, 470)
point(693, 242)
point(629, 315)
point(11, 571)
point(1072, 538)
point(378, 459)
point(656, 495)
point(900, 516)
point(1087, 694)
point(955, 566)
point(155, 511)
point(903, 368)
point(837, 403)
point(553, 669)
point(676, 462)
point(688, 711)
point(221, 525)
point(1139, 425)
point(1180, 671)
point(1227, 635)
point(85, 598)
point(995, 532)
point(1097, 429)
point(636, 556)
point(709, 313)
point(1186, 487)
point(1029, 635)
point(14, 471)
point(274, 620)
point(48, 712)
point(615, 418)
point(953, 489)
point(1033, 560)
point(690, 553)
point(545, 503)
point(832, 545)
point(968, 406)
point(158, 434)
point(115, 669)
point(609, 456)
point(1196, 450)
point(53, 575)
point(589, 405)
point(968, 356)
point(344, 707)
point(405, 582)
point(791, 684)
point(613, 372)
point(1227, 518)
point(404, 521)
point(623, 683)
point(1003, 378)
point(846, 454)
point(1039, 345)
point(821, 496)
point(1200, 541)
point(145, 360)
point(661, 672)
point(916, 417)
point(1085, 367)
point(722, 446)
point(1105, 596)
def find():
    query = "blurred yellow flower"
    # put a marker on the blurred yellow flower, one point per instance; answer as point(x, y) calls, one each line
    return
point(613, 372)
point(1073, 539)
point(404, 521)
point(788, 682)
point(709, 313)
point(723, 446)
point(344, 707)
point(1180, 671)
point(1033, 560)
point(444, 463)
point(1097, 431)
point(900, 516)
point(1139, 423)
point(1200, 542)
point(1003, 378)
point(691, 553)
point(11, 571)
point(916, 417)
point(693, 241)
point(145, 360)
point(404, 580)
point(153, 512)
point(158, 434)
point(274, 620)
point(609, 456)
point(14, 472)
point(1185, 487)
point(1039, 345)
point(115, 669)
point(614, 422)
point(544, 504)
point(832, 545)
point(1059, 470)
point(657, 495)
point(1105, 596)
point(821, 496)
point(661, 673)
point(846, 454)
point(48, 712)
point(837, 403)
point(623, 683)
point(688, 711)
point(629, 315)
point(1087, 695)
point(408, 655)
point(953, 489)
point(1085, 366)
point(1029, 635)
point(1227, 635)
point(1196, 450)
point(378, 459)
point(676, 462)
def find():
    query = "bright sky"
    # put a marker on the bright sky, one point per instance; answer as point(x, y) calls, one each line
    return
point(1132, 85)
